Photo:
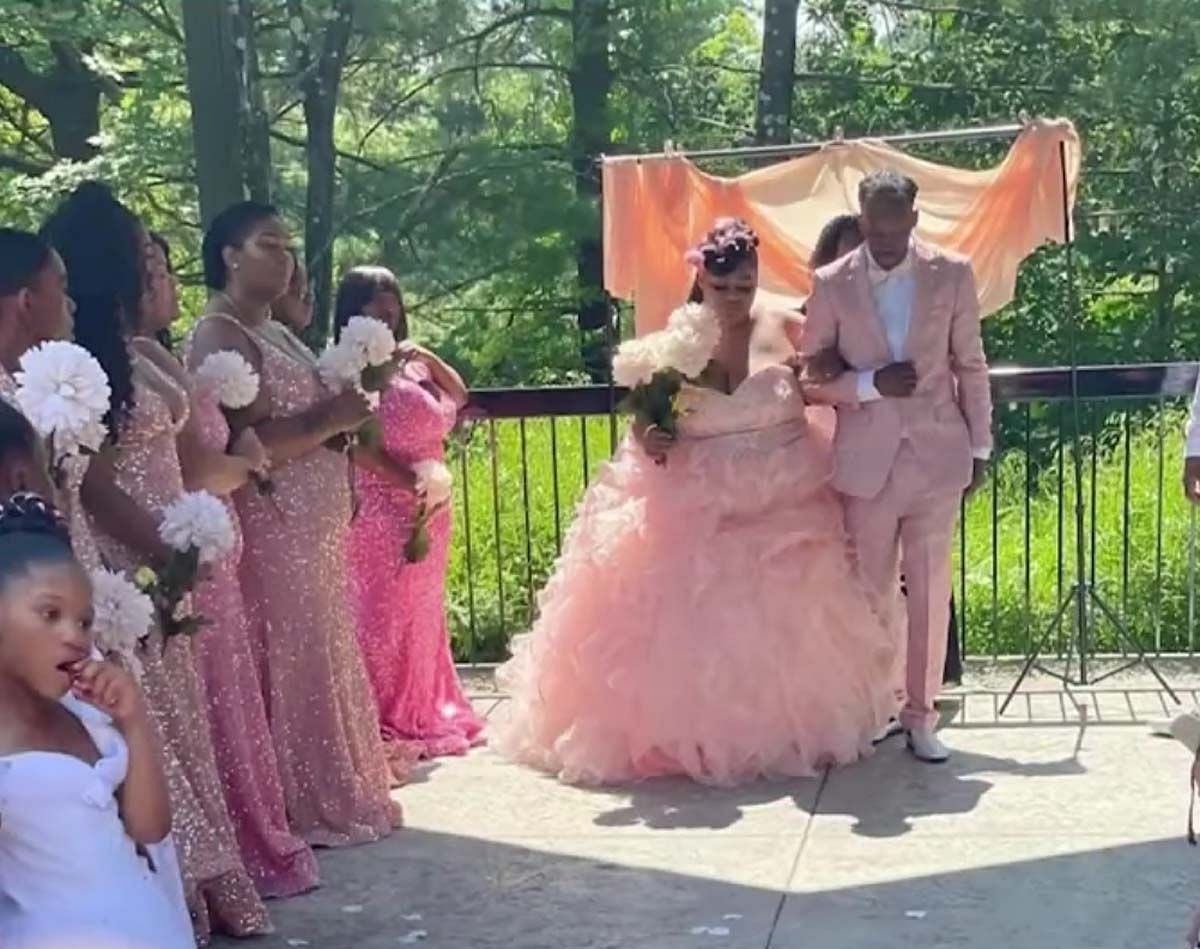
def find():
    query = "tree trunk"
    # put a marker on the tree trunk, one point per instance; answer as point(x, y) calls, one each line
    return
point(776, 74)
point(591, 135)
point(215, 90)
point(68, 95)
point(255, 122)
point(320, 84)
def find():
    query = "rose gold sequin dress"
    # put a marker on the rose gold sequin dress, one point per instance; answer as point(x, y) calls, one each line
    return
point(280, 863)
point(219, 891)
point(323, 720)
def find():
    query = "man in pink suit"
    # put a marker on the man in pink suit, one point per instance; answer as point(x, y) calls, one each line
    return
point(914, 422)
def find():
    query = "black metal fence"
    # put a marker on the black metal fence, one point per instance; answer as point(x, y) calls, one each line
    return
point(526, 456)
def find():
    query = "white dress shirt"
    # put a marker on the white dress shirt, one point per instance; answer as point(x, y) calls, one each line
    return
point(1192, 446)
point(894, 292)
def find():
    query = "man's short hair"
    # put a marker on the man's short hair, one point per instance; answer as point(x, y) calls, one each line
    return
point(888, 184)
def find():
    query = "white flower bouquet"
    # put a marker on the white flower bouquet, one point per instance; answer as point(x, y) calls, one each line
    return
point(434, 485)
point(362, 358)
point(233, 380)
point(124, 616)
point(655, 367)
point(231, 377)
point(64, 393)
point(198, 530)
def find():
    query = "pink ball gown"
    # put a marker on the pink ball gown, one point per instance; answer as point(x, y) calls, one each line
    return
point(400, 606)
point(219, 891)
point(336, 781)
point(705, 617)
point(280, 863)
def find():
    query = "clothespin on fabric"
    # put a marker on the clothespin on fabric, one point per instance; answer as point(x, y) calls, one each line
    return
point(669, 148)
point(838, 140)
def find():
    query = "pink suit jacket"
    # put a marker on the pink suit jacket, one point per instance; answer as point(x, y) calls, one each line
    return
point(949, 416)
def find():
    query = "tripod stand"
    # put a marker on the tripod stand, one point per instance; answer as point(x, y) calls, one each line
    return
point(1082, 594)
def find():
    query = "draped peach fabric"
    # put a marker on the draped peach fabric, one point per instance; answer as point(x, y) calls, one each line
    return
point(656, 208)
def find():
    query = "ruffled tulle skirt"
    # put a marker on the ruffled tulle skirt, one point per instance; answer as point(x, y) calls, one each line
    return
point(705, 619)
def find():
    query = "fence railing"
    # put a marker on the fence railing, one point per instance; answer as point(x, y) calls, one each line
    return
point(528, 454)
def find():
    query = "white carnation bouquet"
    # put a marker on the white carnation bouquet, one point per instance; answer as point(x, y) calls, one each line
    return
point(124, 616)
point(64, 393)
point(434, 485)
point(198, 530)
point(655, 367)
point(362, 358)
point(232, 379)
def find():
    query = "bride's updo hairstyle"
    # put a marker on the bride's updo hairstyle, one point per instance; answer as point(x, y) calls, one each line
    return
point(731, 243)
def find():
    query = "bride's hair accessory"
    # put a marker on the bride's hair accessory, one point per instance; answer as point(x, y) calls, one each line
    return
point(727, 246)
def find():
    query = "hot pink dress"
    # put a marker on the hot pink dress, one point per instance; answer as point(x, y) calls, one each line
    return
point(219, 891)
point(336, 781)
point(705, 618)
point(280, 863)
point(400, 606)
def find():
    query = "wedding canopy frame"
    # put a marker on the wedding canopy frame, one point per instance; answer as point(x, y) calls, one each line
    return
point(1081, 595)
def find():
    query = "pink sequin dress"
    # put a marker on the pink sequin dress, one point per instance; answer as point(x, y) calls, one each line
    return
point(280, 862)
point(705, 618)
point(219, 891)
point(400, 606)
point(336, 781)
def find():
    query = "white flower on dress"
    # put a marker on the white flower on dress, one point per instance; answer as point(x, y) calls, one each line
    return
point(434, 480)
point(231, 377)
point(64, 393)
point(124, 616)
point(198, 520)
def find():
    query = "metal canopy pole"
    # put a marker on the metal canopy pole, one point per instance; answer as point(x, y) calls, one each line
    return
point(985, 133)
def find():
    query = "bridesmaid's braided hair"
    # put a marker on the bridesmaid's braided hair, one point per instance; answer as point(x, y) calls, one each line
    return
point(31, 532)
point(102, 244)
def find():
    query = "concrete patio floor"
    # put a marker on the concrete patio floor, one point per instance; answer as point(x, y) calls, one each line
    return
point(1052, 827)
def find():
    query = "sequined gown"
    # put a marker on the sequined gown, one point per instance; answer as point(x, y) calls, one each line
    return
point(280, 863)
point(399, 607)
point(336, 782)
point(219, 891)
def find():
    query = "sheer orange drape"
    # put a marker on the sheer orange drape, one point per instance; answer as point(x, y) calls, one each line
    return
point(656, 208)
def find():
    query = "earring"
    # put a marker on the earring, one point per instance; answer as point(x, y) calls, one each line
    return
point(237, 266)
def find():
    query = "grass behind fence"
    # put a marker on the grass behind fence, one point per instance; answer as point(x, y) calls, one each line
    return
point(1141, 571)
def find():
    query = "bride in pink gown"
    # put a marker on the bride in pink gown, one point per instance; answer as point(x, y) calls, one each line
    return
point(705, 618)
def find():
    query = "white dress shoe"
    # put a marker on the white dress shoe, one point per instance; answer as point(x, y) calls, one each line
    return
point(893, 727)
point(926, 746)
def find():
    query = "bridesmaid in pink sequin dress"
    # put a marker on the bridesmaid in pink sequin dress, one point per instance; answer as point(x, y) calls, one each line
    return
point(335, 775)
point(280, 863)
point(400, 606)
point(111, 268)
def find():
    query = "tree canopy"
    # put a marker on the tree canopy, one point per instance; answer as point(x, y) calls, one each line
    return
point(455, 140)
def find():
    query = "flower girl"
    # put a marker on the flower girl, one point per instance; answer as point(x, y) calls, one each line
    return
point(85, 858)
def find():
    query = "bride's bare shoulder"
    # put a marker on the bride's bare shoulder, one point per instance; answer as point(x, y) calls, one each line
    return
point(775, 334)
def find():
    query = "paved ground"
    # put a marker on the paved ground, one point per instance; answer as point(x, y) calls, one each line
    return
point(1052, 827)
